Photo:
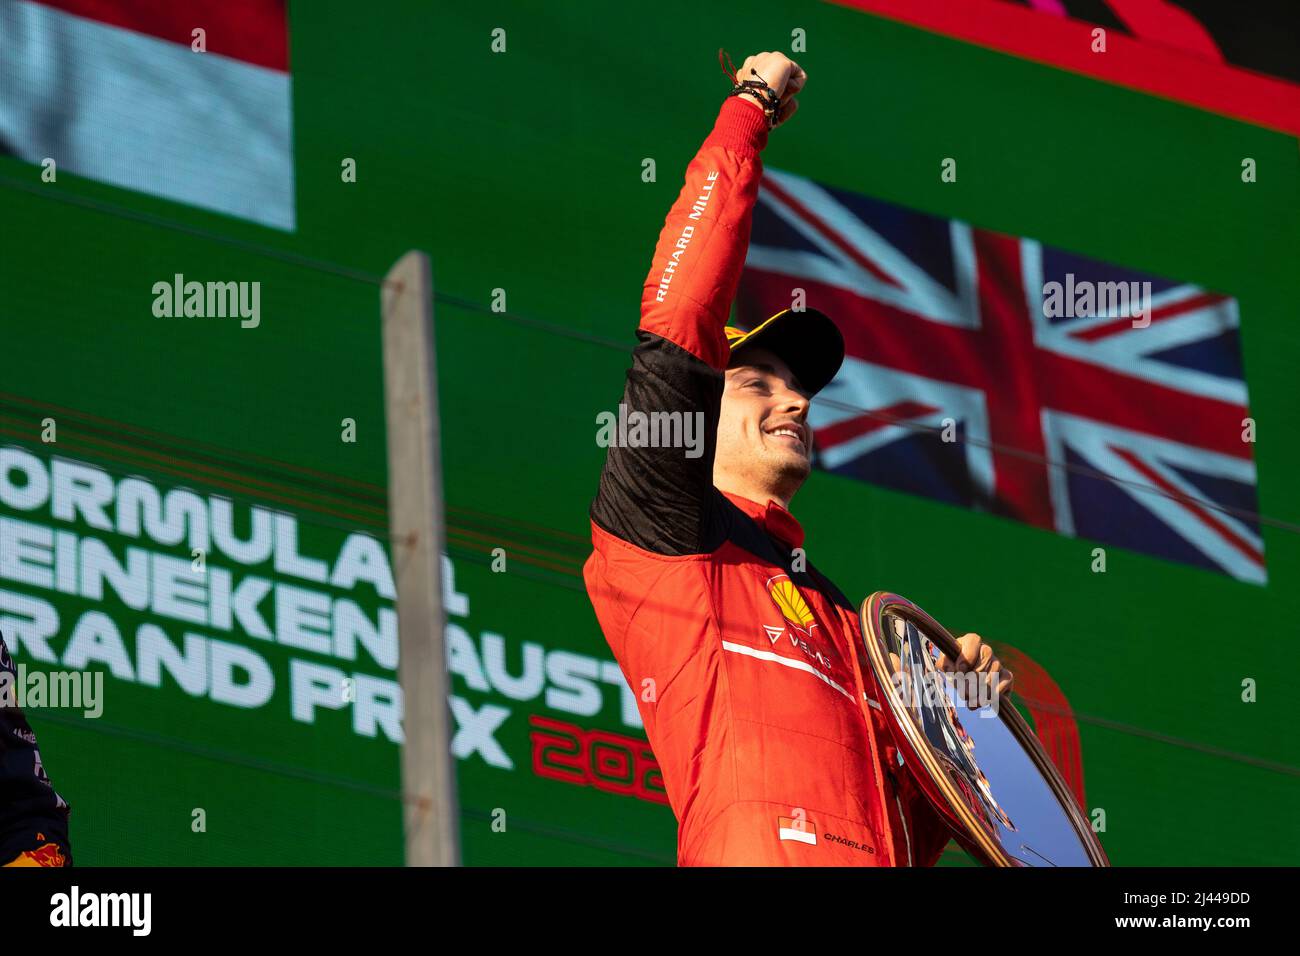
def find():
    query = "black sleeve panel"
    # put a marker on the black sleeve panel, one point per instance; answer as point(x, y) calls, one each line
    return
point(662, 499)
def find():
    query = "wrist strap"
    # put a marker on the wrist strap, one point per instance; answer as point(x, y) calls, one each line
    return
point(756, 88)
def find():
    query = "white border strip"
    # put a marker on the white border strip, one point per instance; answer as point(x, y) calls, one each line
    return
point(797, 665)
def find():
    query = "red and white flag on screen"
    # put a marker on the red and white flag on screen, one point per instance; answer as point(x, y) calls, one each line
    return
point(115, 90)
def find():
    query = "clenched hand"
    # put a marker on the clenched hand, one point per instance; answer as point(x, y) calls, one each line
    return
point(779, 72)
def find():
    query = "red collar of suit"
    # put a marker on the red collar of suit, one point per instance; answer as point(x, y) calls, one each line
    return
point(774, 519)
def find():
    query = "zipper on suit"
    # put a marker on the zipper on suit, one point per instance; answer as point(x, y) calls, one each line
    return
point(907, 839)
point(902, 817)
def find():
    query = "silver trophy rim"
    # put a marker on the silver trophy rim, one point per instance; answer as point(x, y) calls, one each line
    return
point(908, 735)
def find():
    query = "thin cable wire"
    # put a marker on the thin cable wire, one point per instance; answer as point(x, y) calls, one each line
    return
point(1136, 731)
point(1242, 513)
point(571, 580)
point(398, 796)
point(44, 191)
point(1082, 470)
point(312, 513)
point(106, 208)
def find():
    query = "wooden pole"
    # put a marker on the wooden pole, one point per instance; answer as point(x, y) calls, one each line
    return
point(418, 540)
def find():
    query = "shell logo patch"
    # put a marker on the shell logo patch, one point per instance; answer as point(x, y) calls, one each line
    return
point(785, 595)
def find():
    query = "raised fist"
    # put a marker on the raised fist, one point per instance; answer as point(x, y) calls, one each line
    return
point(779, 72)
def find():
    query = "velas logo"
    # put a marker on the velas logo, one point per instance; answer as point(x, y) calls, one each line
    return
point(798, 829)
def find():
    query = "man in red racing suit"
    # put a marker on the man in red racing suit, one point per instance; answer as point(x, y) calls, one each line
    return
point(763, 715)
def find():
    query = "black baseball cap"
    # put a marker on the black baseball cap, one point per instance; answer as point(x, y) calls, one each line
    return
point(808, 341)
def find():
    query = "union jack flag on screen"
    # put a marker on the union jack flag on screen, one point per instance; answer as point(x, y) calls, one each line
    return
point(970, 378)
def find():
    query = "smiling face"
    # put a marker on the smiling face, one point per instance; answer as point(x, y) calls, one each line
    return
point(764, 441)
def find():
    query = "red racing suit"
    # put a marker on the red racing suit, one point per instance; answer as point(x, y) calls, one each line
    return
point(761, 710)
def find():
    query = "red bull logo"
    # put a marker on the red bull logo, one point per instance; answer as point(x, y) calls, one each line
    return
point(47, 854)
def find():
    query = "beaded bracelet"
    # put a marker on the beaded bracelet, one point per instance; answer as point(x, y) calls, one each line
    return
point(756, 88)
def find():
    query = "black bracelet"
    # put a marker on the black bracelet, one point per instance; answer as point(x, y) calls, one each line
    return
point(762, 91)
point(756, 88)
